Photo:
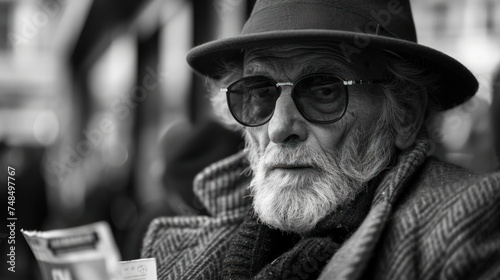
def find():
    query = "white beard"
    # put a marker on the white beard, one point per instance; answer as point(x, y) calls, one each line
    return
point(296, 201)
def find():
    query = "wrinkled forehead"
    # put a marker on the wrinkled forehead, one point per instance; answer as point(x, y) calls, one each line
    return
point(292, 61)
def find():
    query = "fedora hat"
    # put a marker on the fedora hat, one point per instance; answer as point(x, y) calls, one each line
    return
point(351, 25)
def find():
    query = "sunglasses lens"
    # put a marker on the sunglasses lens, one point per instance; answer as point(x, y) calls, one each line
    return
point(252, 100)
point(321, 97)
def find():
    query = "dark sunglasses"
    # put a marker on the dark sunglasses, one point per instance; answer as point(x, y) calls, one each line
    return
point(320, 98)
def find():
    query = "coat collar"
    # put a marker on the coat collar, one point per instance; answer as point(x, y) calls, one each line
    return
point(351, 259)
point(222, 187)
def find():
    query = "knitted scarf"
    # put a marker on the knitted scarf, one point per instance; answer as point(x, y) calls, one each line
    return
point(260, 252)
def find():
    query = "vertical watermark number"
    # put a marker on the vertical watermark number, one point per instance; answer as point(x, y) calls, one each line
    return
point(11, 218)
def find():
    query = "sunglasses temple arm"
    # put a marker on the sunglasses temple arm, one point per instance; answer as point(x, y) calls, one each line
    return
point(361, 82)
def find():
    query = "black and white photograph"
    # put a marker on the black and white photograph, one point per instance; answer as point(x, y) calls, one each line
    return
point(249, 139)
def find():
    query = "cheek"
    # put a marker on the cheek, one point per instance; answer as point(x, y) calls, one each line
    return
point(361, 115)
point(365, 109)
point(330, 138)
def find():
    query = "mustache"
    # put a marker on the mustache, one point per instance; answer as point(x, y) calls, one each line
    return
point(293, 156)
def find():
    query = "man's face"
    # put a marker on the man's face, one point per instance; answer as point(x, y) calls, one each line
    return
point(302, 170)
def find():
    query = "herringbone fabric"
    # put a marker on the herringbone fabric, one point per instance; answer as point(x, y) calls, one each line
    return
point(194, 247)
point(428, 220)
point(446, 232)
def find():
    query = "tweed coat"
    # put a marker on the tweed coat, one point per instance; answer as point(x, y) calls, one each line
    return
point(428, 220)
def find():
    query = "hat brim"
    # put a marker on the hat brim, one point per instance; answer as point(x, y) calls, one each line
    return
point(458, 82)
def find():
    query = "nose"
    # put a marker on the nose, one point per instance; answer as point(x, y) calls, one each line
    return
point(286, 123)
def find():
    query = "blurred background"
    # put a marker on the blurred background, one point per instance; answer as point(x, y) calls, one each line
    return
point(98, 107)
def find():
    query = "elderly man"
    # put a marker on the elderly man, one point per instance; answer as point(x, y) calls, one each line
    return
point(335, 181)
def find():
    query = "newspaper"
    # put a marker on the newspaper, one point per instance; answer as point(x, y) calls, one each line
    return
point(80, 253)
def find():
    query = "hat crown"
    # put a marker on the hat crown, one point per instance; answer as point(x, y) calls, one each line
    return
point(391, 18)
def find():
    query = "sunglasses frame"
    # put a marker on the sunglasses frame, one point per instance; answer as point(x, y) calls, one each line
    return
point(278, 86)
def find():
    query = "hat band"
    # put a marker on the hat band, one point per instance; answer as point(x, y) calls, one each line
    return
point(303, 15)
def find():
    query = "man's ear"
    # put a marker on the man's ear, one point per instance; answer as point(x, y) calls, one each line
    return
point(412, 124)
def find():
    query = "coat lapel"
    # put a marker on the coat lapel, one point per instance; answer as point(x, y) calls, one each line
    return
point(351, 259)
